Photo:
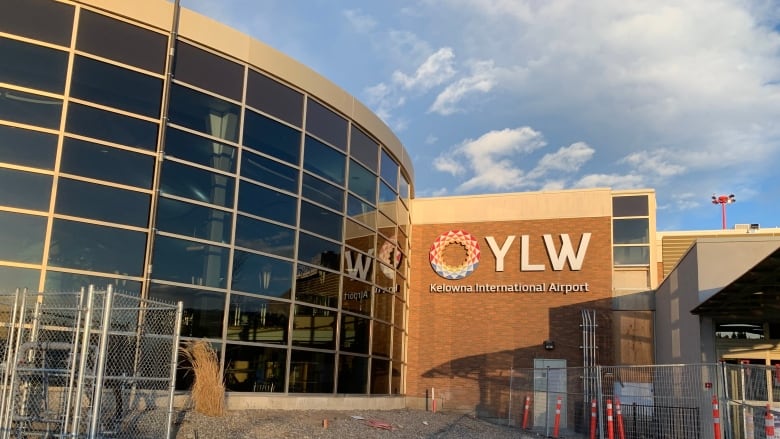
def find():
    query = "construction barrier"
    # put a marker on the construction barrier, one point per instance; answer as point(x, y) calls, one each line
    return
point(769, 419)
point(610, 426)
point(715, 417)
point(557, 425)
point(593, 416)
point(619, 420)
point(526, 409)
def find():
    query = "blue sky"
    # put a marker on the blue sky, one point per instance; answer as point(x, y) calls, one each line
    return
point(492, 96)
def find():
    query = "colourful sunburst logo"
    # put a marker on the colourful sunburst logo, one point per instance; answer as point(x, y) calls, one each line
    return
point(457, 237)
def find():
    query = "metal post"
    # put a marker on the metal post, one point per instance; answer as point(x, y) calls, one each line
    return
point(13, 330)
point(73, 360)
point(547, 404)
point(101, 363)
point(84, 354)
point(509, 410)
point(725, 403)
point(600, 399)
point(174, 363)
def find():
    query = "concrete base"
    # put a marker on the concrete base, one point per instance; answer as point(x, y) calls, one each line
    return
point(265, 401)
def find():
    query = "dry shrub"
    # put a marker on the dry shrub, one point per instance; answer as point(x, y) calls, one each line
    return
point(208, 388)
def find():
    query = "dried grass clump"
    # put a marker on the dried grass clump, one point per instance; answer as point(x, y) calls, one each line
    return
point(208, 387)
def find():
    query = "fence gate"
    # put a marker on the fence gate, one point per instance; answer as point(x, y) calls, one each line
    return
point(87, 365)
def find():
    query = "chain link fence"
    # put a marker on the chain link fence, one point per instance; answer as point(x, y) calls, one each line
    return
point(90, 364)
point(731, 401)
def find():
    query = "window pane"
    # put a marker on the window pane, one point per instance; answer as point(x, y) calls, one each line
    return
point(265, 237)
point(631, 255)
point(200, 150)
point(326, 124)
point(97, 248)
point(311, 372)
point(259, 320)
point(389, 170)
point(203, 310)
point(353, 374)
point(322, 192)
point(318, 287)
point(25, 189)
point(359, 237)
point(324, 161)
point(189, 262)
point(112, 127)
point(314, 327)
point(398, 315)
point(319, 251)
point(204, 113)
point(21, 238)
point(263, 170)
point(383, 306)
point(380, 373)
point(398, 345)
point(27, 148)
point(271, 137)
point(12, 278)
point(630, 231)
point(39, 19)
point(208, 71)
point(387, 201)
point(57, 282)
point(362, 182)
point(274, 98)
point(354, 334)
point(116, 87)
point(267, 203)
point(359, 210)
point(404, 189)
point(192, 220)
point(357, 296)
point(121, 41)
point(630, 206)
point(255, 368)
point(29, 108)
point(95, 201)
point(364, 149)
point(33, 66)
point(380, 344)
point(253, 273)
point(197, 184)
point(320, 221)
point(100, 162)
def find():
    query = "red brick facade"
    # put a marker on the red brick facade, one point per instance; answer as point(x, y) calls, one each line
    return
point(458, 342)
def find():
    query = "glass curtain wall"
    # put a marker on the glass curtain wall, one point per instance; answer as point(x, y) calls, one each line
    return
point(280, 224)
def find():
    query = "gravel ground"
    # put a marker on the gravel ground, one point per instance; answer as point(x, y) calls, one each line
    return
point(330, 424)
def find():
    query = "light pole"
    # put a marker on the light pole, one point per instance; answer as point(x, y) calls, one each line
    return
point(723, 200)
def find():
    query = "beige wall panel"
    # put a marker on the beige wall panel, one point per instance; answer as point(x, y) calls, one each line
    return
point(633, 335)
point(155, 13)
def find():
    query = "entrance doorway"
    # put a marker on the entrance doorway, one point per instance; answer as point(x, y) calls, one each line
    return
point(549, 384)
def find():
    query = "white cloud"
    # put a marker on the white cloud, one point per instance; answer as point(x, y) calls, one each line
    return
point(436, 69)
point(658, 162)
point(482, 79)
point(614, 181)
point(359, 21)
point(567, 159)
point(449, 165)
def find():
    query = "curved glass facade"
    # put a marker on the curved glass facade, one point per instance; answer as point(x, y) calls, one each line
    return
point(186, 175)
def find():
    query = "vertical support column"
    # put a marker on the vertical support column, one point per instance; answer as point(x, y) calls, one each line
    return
point(101, 363)
point(174, 364)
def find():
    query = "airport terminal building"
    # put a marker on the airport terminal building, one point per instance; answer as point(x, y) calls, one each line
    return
point(145, 146)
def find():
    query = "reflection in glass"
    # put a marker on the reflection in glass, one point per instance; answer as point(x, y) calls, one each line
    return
point(322, 192)
point(255, 368)
point(193, 220)
point(404, 190)
point(314, 327)
point(104, 203)
point(253, 273)
point(112, 127)
point(25, 190)
point(27, 148)
point(389, 170)
point(319, 251)
point(324, 161)
point(189, 262)
point(31, 109)
point(201, 112)
point(631, 255)
point(362, 182)
point(395, 378)
point(321, 221)
point(208, 71)
point(200, 150)
point(57, 281)
point(318, 287)
point(12, 278)
point(359, 237)
point(116, 87)
point(380, 377)
point(267, 203)
point(271, 137)
point(380, 343)
point(197, 184)
point(274, 98)
point(259, 320)
point(311, 372)
point(359, 210)
point(21, 238)
point(398, 314)
point(326, 124)
point(33, 66)
point(203, 310)
point(356, 296)
point(387, 202)
point(630, 231)
point(364, 149)
point(383, 306)
point(39, 19)
point(264, 236)
point(96, 248)
point(354, 334)
point(353, 374)
point(398, 344)
point(635, 205)
point(272, 173)
point(100, 162)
